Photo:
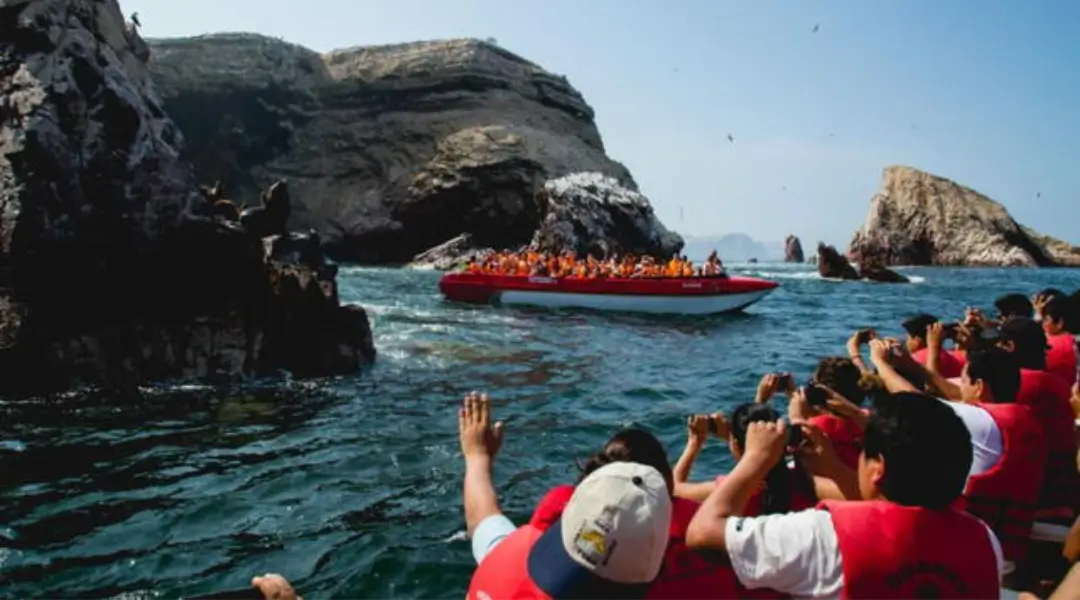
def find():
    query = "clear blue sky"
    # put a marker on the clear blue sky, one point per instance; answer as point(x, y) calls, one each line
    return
point(985, 92)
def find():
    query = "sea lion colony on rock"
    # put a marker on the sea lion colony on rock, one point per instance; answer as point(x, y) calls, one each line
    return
point(260, 221)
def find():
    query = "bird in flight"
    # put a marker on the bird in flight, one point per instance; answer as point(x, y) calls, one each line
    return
point(816, 27)
point(730, 139)
point(1038, 194)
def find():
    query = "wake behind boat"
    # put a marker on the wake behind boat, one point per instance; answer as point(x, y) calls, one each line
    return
point(702, 295)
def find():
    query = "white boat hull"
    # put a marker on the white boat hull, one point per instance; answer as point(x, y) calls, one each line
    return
point(682, 305)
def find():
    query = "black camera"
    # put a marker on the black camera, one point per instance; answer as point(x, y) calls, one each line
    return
point(816, 396)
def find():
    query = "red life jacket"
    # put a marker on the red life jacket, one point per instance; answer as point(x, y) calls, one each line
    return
point(845, 436)
point(951, 364)
point(1061, 357)
point(1005, 496)
point(1048, 397)
point(686, 574)
point(894, 551)
point(504, 572)
point(802, 495)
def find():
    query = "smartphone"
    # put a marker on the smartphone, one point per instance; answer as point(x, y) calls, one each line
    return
point(713, 427)
point(795, 436)
point(783, 381)
point(950, 330)
point(815, 395)
point(865, 335)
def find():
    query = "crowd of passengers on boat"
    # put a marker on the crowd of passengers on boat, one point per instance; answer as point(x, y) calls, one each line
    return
point(567, 264)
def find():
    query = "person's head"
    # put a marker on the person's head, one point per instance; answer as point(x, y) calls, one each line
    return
point(778, 483)
point(1059, 315)
point(991, 375)
point(1026, 340)
point(610, 540)
point(632, 445)
point(741, 418)
point(1014, 305)
point(916, 330)
point(916, 452)
point(846, 379)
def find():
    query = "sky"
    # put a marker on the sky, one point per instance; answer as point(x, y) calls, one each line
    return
point(984, 92)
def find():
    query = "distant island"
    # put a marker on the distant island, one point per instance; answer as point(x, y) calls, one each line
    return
point(733, 247)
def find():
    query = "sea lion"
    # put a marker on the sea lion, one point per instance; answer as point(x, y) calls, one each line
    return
point(272, 217)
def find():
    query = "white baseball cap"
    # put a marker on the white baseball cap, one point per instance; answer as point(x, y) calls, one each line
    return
point(611, 539)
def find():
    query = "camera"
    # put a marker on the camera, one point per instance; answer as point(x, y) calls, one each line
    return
point(950, 330)
point(783, 381)
point(865, 335)
point(816, 396)
point(795, 436)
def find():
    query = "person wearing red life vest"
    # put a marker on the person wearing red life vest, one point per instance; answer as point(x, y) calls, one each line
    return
point(1048, 397)
point(512, 561)
point(951, 363)
point(1005, 495)
point(902, 540)
point(786, 488)
point(609, 542)
point(1059, 321)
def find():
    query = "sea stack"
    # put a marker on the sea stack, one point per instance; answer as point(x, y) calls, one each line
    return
point(793, 251)
point(917, 218)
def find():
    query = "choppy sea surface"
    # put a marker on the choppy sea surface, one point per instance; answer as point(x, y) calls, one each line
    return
point(351, 487)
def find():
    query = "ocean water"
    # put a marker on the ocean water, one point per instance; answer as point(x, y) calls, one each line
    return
point(351, 487)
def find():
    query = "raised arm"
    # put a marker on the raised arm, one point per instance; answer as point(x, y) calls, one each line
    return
point(480, 442)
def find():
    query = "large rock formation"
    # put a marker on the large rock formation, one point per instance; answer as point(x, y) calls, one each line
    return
point(392, 149)
point(107, 274)
point(921, 219)
point(793, 252)
point(833, 265)
point(590, 213)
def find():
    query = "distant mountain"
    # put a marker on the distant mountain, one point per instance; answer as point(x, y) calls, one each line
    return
point(733, 247)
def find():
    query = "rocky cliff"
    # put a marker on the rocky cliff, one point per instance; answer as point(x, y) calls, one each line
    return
point(392, 149)
point(917, 218)
point(108, 275)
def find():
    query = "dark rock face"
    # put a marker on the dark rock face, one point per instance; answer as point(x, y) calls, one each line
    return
point(793, 252)
point(833, 265)
point(390, 150)
point(917, 218)
point(881, 274)
point(107, 274)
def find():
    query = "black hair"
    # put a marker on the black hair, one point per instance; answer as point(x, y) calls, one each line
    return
point(998, 370)
point(1063, 308)
point(916, 326)
point(1014, 305)
point(778, 489)
point(925, 446)
point(1029, 342)
point(631, 445)
point(846, 379)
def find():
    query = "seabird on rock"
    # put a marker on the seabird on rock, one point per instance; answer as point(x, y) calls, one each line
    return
point(135, 19)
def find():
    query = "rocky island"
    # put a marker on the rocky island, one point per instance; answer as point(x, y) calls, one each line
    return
point(395, 150)
point(113, 269)
point(917, 218)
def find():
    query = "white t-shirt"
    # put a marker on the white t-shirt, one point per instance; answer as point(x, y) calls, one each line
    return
point(794, 553)
point(986, 441)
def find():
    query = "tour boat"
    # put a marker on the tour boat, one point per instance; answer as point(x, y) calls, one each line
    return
point(686, 296)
